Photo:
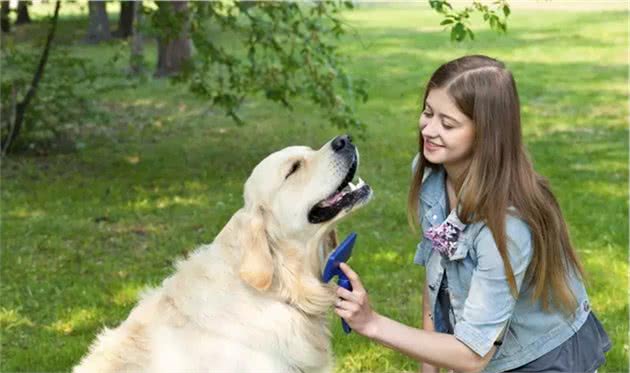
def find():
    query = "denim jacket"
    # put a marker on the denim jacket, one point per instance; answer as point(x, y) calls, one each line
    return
point(483, 308)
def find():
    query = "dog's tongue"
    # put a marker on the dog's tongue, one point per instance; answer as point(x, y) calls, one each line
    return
point(332, 199)
point(349, 188)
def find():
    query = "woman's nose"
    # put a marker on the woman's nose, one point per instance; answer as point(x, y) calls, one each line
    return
point(429, 128)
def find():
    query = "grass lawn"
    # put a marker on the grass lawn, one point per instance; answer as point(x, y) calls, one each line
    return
point(83, 233)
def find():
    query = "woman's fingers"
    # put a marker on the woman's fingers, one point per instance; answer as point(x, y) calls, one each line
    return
point(346, 306)
point(353, 277)
point(354, 306)
point(358, 294)
point(345, 294)
point(346, 315)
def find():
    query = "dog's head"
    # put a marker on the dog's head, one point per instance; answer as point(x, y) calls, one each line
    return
point(296, 195)
point(304, 189)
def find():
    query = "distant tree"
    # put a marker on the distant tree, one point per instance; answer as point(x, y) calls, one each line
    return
point(173, 41)
point(125, 19)
point(22, 13)
point(98, 23)
point(5, 23)
point(136, 60)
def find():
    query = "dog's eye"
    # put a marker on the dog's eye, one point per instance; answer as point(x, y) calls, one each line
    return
point(294, 167)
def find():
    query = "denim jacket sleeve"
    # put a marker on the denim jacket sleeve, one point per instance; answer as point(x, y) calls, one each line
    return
point(490, 304)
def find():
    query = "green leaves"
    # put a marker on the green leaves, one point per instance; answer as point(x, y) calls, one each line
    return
point(458, 32)
point(458, 21)
point(283, 50)
point(60, 106)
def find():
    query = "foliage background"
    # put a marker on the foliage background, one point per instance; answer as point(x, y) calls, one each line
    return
point(84, 231)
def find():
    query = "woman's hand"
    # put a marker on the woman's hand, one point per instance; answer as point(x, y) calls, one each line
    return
point(354, 306)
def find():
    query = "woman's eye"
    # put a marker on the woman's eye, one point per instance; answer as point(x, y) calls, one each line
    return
point(446, 126)
point(294, 167)
point(427, 114)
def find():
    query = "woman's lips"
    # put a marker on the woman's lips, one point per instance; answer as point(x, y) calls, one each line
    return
point(428, 145)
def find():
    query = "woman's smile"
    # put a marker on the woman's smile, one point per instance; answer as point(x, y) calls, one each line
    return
point(431, 147)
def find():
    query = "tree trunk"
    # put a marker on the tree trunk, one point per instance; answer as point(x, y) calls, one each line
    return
point(22, 13)
point(5, 24)
point(136, 62)
point(125, 21)
point(98, 26)
point(20, 109)
point(174, 48)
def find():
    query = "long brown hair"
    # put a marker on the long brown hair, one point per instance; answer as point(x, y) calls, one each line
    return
point(501, 174)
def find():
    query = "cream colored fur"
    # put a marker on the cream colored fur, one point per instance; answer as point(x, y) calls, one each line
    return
point(251, 301)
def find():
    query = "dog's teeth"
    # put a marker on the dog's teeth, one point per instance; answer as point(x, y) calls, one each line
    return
point(352, 186)
point(360, 183)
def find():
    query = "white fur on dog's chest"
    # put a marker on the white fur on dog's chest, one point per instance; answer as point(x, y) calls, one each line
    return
point(270, 342)
point(176, 350)
point(237, 328)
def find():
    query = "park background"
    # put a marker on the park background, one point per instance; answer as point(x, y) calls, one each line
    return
point(155, 170)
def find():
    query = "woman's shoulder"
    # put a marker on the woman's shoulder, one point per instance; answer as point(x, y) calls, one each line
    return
point(515, 225)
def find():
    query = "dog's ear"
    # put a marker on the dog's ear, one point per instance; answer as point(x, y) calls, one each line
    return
point(256, 267)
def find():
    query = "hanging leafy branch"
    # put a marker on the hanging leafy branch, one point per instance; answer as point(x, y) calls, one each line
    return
point(459, 20)
point(283, 50)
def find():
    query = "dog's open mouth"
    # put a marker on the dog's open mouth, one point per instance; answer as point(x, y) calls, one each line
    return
point(345, 197)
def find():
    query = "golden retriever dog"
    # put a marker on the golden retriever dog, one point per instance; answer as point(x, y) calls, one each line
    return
point(253, 299)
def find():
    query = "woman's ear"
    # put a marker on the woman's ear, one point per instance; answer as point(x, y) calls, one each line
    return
point(256, 267)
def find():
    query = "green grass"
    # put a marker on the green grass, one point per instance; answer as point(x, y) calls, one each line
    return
point(82, 233)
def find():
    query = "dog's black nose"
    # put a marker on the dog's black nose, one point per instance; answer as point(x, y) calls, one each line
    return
point(340, 142)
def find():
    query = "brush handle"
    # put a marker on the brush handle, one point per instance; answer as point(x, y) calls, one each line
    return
point(345, 283)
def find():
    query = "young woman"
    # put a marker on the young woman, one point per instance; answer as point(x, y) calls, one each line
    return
point(504, 288)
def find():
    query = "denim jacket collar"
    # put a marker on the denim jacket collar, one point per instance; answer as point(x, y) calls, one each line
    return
point(433, 188)
point(434, 196)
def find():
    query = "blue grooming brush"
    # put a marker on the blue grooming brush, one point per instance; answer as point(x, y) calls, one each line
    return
point(340, 255)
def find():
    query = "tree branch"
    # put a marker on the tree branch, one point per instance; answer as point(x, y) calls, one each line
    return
point(22, 105)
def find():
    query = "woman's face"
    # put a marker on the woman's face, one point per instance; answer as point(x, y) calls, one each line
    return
point(448, 133)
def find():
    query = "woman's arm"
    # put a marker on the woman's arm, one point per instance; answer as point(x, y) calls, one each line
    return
point(427, 324)
point(438, 349)
point(432, 348)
